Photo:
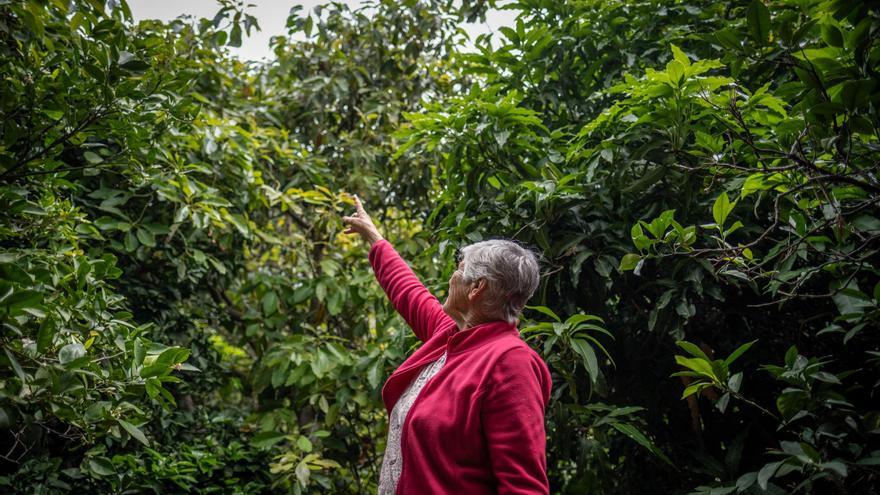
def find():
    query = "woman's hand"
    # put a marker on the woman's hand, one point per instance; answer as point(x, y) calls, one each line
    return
point(361, 223)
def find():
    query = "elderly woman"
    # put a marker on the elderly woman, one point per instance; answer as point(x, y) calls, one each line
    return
point(466, 409)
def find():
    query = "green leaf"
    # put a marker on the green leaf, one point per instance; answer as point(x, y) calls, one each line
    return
point(165, 362)
point(304, 444)
point(19, 372)
point(636, 231)
point(758, 17)
point(629, 262)
point(134, 431)
point(577, 319)
point(836, 466)
point(692, 349)
point(266, 439)
point(322, 364)
point(53, 114)
point(545, 310)
point(21, 299)
point(270, 303)
point(694, 388)
point(153, 370)
point(45, 335)
point(583, 348)
point(680, 56)
point(71, 352)
point(34, 209)
point(675, 71)
point(302, 473)
point(240, 223)
point(374, 374)
point(832, 35)
point(235, 36)
point(220, 267)
point(746, 481)
point(101, 466)
point(733, 228)
point(130, 62)
point(736, 274)
point(728, 38)
point(735, 382)
point(326, 463)
point(701, 366)
point(146, 237)
point(131, 242)
point(640, 438)
point(92, 157)
point(855, 95)
point(139, 352)
point(766, 473)
point(722, 208)
point(790, 355)
point(738, 352)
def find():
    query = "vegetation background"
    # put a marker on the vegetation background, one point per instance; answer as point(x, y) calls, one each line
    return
point(181, 313)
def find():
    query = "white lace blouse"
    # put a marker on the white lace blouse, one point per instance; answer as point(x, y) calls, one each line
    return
point(392, 463)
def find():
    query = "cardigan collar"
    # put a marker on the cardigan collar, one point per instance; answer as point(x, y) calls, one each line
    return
point(465, 340)
point(454, 341)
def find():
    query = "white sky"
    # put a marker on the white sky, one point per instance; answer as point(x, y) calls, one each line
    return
point(272, 17)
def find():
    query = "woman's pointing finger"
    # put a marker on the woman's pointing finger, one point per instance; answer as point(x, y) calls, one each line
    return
point(361, 223)
point(359, 205)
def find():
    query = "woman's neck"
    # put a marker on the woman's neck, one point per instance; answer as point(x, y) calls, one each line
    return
point(471, 320)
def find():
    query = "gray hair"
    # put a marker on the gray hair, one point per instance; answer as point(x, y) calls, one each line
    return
point(511, 272)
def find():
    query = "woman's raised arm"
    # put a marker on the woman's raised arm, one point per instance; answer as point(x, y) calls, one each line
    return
point(419, 308)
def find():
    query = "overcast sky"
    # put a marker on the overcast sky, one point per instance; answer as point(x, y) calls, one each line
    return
point(272, 16)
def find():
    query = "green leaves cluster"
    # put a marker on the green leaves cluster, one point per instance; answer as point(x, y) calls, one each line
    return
point(577, 334)
point(170, 212)
point(706, 174)
point(705, 372)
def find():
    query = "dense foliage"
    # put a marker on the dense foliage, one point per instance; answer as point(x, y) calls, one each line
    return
point(181, 312)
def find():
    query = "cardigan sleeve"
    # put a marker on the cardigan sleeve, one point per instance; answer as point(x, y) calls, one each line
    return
point(419, 308)
point(517, 392)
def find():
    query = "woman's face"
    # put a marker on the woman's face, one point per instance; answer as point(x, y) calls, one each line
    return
point(457, 302)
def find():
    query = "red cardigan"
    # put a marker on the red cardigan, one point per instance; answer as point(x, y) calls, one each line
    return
point(478, 425)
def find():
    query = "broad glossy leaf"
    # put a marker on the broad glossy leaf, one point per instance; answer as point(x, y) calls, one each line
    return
point(583, 348)
point(759, 23)
point(71, 352)
point(738, 352)
point(134, 431)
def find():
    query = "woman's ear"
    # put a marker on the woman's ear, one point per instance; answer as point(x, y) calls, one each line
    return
point(477, 288)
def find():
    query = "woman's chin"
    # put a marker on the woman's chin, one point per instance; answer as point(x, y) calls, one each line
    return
point(451, 313)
